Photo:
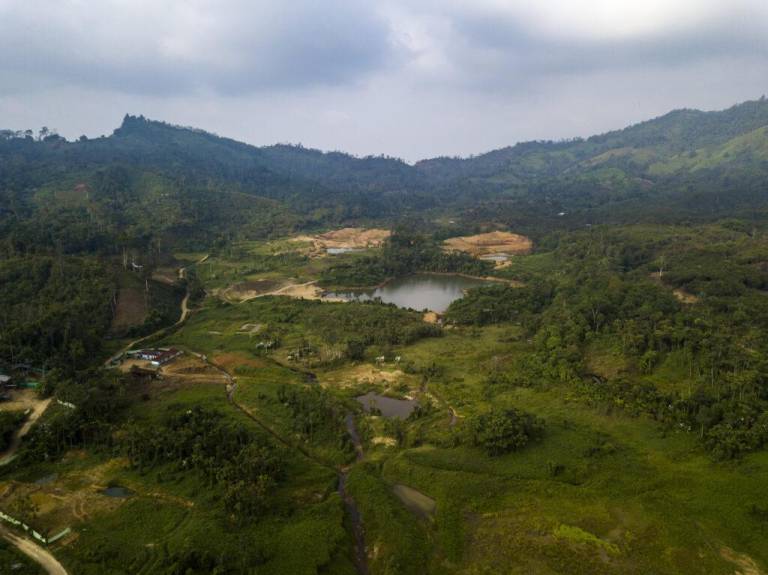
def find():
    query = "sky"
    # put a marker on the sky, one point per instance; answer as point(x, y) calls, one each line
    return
point(406, 78)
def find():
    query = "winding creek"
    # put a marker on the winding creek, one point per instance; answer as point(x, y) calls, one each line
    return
point(342, 472)
point(356, 522)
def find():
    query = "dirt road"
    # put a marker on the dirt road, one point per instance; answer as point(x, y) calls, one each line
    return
point(37, 407)
point(182, 319)
point(32, 550)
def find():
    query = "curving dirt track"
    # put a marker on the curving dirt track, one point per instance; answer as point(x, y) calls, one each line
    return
point(37, 407)
point(34, 552)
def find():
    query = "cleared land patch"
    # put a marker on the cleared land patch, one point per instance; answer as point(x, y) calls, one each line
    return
point(490, 244)
point(251, 289)
point(191, 369)
point(131, 309)
point(682, 295)
point(345, 238)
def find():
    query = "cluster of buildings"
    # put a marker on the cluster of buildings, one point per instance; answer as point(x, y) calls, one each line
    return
point(156, 356)
point(17, 377)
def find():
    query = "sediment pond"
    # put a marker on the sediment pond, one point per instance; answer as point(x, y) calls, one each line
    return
point(389, 407)
point(117, 491)
point(434, 292)
point(415, 501)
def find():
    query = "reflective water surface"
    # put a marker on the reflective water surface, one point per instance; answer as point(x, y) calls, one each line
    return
point(418, 291)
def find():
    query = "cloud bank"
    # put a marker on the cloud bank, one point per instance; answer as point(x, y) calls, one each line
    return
point(412, 78)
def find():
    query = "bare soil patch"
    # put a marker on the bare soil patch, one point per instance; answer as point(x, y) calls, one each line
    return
point(250, 328)
point(365, 374)
point(746, 565)
point(229, 361)
point(345, 238)
point(127, 365)
point(168, 276)
point(682, 295)
point(66, 500)
point(251, 289)
point(131, 309)
point(191, 369)
point(490, 243)
point(308, 290)
point(23, 400)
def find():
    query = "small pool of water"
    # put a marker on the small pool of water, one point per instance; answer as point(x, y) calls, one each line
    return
point(338, 251)
point(47, 479)
point(117, 491)
point(434, 292)
point(388, 406)
point(414, 500)
point(495, 257)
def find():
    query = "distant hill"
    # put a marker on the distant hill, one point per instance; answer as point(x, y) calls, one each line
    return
point(150, 180)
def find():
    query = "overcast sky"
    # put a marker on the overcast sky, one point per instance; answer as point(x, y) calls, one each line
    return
point(408, 78)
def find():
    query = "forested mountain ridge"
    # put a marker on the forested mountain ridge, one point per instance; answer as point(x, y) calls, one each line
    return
point(203, 184)
point(674, 133)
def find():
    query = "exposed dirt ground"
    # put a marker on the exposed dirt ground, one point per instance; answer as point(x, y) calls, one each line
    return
point(230, 361)
point(431, 317)
point(23, 400)
point(168, 276)
point(685, 297)
point(681, 295)
point(490, 243)
point(345, 238)
point(365, 373)
point(190, 369)
point(34, 551)
point(308, 290)
point(63, 501)
point(251, 289)
point(747, 565)
point(131, 309)
point(129, 364)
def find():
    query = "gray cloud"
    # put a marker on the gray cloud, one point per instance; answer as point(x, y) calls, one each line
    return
point(489, 47)
point(178, 46)
point(402, 77)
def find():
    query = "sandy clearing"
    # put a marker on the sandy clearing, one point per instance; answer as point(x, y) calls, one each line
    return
point(490, 243)
point(746, 565)
point(431, 317)
point(363, 374)
point(385, 441)
point(354, 238)
point(307, 290)
point(345, 238)
point(34, 552)
point(190, 369)
point(682, 295)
